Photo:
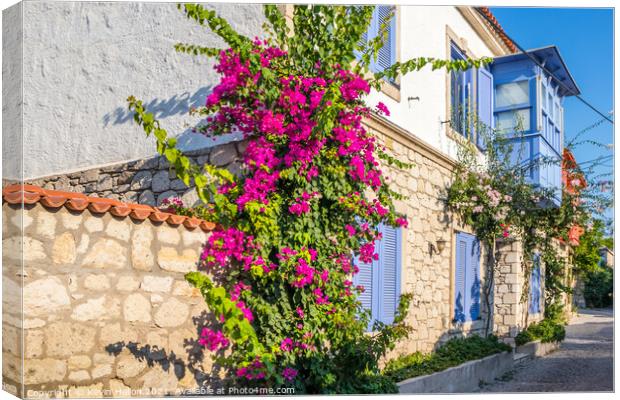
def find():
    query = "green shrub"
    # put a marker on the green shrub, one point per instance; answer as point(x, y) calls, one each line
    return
point(599, 286)
point(454, 352)
point(547, 330)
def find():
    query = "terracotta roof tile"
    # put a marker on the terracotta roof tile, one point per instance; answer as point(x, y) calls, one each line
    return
point(30, 194)
point(500, 31)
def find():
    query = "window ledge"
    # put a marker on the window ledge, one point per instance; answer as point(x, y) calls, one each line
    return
point(391, 90)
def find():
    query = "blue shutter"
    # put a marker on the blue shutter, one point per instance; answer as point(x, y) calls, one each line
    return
point(467, 278)
point(484, 106)
point(389, 273)
point(365, 278)
point(472, 278)
point(386, 54)
point(459, 277)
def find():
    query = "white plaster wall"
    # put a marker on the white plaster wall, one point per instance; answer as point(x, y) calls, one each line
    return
point(423, 34)
point(12, 92)
point(81, 62)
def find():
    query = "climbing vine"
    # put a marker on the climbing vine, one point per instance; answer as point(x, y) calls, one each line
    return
point(495, 199)
point(279, 266)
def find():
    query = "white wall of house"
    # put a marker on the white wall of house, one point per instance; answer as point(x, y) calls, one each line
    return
point(81, 61)
point(423, 33)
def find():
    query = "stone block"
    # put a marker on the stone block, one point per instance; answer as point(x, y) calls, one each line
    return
point(71, 220)
point(128, 283)
point(156, 284)
point(119, 229)
point(141, 180)
point(141, 254)
point(168, 234)
point(137, 308)
point(96, 282)
point(93, 224)
point(128, 367)
point(79, 376)
point(64, 339)
point(111, 334)
point(79, 362)
point(32, 249)
point(97, 309)
point(147, 197)
point(64, 249)
point(46, 224)
point(169, 260)
point(172, 313)
point(106, 253)
point(33, 343)
point(101, 370)
point(45, 296)
point(161, 182)
point(44, 371)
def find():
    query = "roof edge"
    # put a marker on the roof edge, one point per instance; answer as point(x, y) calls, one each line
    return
point(78, 202)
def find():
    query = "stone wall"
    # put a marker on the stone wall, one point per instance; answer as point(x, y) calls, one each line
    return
point(105, 305)
point(148, 181)
point(429, 277)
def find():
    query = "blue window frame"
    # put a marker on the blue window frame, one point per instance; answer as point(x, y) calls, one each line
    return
point(461, 93)
point(386, 56)
point(381, 278)
point(551, 115)
point(471, 100)
point(467, 278)
point(514, 105)
point(535, 286)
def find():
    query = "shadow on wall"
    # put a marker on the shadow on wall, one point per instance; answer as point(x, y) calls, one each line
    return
point(175, 105)
point(193, 362)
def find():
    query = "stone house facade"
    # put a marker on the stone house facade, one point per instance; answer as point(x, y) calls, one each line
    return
point(138, 300)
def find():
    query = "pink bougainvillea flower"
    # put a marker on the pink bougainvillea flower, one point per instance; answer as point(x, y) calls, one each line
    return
point(401, 222)
point(213, 340)
point(383, 109)
point(289, 373)
point(286, 344)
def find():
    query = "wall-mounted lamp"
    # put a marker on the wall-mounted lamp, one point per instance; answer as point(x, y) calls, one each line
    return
point(441, 244)
point(411, 98)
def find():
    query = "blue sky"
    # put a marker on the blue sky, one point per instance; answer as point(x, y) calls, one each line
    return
point(584, 37)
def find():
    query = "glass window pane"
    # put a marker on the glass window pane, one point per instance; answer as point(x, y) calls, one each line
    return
point(509, 94)
point(515, 120)
point(556, 113)
point(550, 105)
point(544, 95)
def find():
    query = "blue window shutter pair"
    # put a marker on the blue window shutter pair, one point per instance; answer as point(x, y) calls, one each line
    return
point(467, 278)
point(386, 56)
point(381, 278)
point(535, 286)
point(466, 101)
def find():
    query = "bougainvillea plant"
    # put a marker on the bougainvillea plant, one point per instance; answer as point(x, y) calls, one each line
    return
point(279, 268)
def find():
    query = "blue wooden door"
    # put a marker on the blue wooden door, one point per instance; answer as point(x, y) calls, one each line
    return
point(467, 278)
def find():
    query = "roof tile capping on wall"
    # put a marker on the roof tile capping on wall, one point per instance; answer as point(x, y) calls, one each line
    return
point(106, 308)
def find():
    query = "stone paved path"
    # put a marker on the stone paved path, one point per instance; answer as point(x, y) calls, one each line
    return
point(584, 361)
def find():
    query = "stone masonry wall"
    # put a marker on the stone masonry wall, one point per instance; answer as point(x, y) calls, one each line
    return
point(106, 308)
point(148, 181)
point(429, 277)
